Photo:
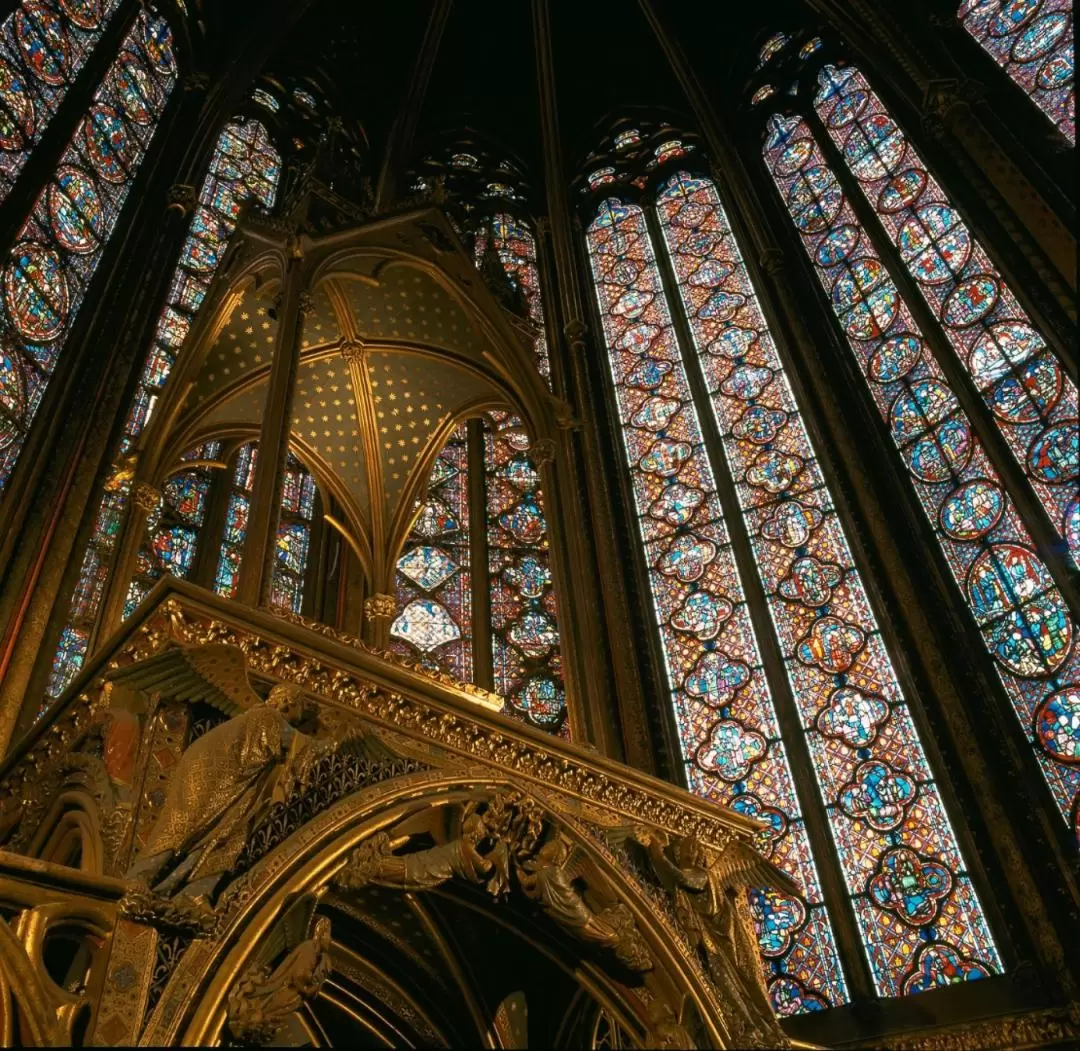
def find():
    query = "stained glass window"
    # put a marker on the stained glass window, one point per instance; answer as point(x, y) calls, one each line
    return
point(433, 581)
point(293, 536)
point(245, 166)
point(516, 247)
point(1032, 40)
point(724, 712)
point(902, 865)
point(173, 531)
point(227, 577)
point(46, 273)
point(43, 45)
point(524, 618)
point(1023, 618)
point(1033, 400)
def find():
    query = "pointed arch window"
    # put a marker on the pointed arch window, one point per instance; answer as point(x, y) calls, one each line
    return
point(1024, 621)
point(56, 252)
point(1032, 40)
point(1032, 398)
point(245, 166)
point(293, 544)
point(691, 355)
point(43, 46)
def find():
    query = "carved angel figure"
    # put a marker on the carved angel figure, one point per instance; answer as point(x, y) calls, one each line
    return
point(545, 879)
point(709, 892)
point(261, 1002)
point(374, 863)
point(223, 783)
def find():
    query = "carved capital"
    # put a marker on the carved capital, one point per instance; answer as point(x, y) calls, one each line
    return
point(352, 351)
point(575, 330)
point(305, 304)
point(146, 498)
point(772, 261)
point(181, 198)
point(380, 606)
point(542, 451)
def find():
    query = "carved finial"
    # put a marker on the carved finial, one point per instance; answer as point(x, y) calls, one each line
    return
point(380, 606)
point(146, 498)
point(542, 451)
point(181, 198)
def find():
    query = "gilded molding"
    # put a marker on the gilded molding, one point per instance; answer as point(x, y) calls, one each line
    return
point(146, 497)
point(380, 605)
point(1036, 1030)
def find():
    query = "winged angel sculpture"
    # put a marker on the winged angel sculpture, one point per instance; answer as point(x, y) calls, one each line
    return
point(228, 778)
point(709, 889)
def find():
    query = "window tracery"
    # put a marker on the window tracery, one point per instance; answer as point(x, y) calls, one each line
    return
point(915, 907)
point(1032, 40)
point(245, 166)
point(1023, 618)
point(43, 46)
point(58, 248)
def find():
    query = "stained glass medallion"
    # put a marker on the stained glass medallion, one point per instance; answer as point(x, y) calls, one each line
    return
point(1021, 615)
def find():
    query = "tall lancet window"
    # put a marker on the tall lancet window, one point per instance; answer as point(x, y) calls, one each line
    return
point(746, 555)
point(1023, 618)
point(43, 46)
point(499, 579)
point(1032, 399)
point(245, 167)
point(46, 273)
point(1032, 40)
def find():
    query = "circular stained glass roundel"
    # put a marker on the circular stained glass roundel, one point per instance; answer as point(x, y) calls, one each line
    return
point(934, 244)
point(815, 199)
point(1057, 70)
point(40, 33)
point(937, 457)
point(865, 299)
point(1057, 724)
point(920, 407)
point(895, 358)
point(109, 144)
point(874, 148)
point(793, 157)
point(1002, 346)
point(1034, 641)
point(848, 108)
point(902, 191)
point(1014, 14)
point(1029, 394)
point(1040, 38)
point(837, 245)
point(16, 110)
point(36, 292)
point(75, 210)
point(158, 41)
point(139, 92)
point(973, 510)
point(1054, 456)
point(84, 13)
point(971, 301)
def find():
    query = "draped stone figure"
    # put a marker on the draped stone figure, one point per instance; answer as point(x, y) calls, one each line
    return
point(223, 783)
